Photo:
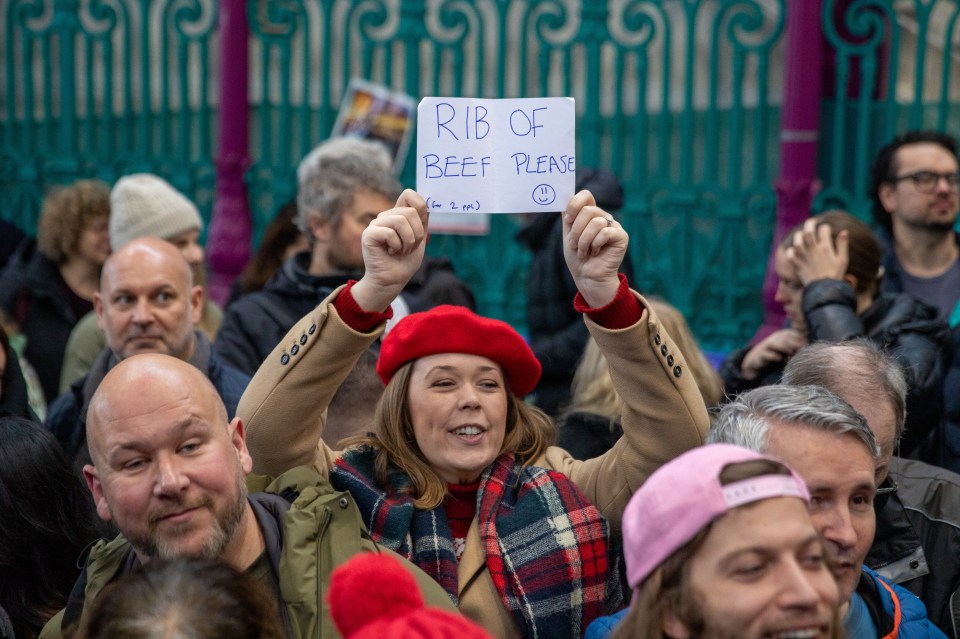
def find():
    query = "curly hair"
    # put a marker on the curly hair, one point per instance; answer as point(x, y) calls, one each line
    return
point(66, 212)
point(333, 173)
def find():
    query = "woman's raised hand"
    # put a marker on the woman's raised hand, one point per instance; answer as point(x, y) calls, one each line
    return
point(393, 247)
point(814, 254)
point(594, 245)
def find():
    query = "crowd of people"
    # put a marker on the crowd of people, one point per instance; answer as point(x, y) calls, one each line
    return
point(349, 449)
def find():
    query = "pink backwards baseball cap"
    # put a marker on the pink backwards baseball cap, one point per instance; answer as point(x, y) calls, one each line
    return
point(684, 495)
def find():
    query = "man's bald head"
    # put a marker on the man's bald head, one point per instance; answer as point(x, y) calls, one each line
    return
point(864, 376)
point(142, 383)
point(168, 468)
point(147, 301)
point(146, 248)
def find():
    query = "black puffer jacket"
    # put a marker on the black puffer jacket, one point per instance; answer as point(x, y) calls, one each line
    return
point(943, 446)
point(903, 326)
point(33, 293)
point(906, 328)
point(254, 324)
point(731, 372)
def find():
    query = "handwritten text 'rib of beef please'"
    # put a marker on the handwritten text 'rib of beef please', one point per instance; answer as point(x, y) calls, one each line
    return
point(496, 156)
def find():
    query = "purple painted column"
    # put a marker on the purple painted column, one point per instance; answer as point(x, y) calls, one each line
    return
point(799, 135)
point(231, 229)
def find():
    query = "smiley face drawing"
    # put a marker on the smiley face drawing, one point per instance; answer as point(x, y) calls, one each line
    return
point(544, 194)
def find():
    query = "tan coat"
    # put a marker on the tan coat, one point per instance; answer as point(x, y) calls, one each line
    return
point(284, 409)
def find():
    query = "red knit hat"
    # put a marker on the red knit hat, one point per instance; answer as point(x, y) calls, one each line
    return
point(373, 597)
point(455, 329)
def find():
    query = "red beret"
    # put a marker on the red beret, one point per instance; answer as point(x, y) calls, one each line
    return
point(456, 329)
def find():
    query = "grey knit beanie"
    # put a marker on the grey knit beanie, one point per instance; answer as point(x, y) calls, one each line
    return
point(144, 205)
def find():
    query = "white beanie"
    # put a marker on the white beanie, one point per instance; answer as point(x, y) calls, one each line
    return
point(144, 205)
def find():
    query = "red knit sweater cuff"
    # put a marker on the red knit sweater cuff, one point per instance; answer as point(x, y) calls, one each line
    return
point(461, 506)
point(622, 311)
point(355, 317)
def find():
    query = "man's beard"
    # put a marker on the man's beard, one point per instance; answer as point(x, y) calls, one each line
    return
point(932, 227)
point(340, 261)
point(224, 528)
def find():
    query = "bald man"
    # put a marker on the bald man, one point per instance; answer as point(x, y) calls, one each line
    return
point(147, 303)
point(170, 471)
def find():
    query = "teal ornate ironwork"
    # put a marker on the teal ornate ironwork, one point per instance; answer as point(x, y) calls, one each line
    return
point(884, 85)
point(691, 141)
point(99, 89)
point(679, 97)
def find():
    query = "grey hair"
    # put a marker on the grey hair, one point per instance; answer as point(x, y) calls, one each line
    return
point(746, 420)
point(856, 368)
point(332, 173)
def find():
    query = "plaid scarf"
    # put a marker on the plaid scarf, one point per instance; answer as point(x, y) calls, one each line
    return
point(548, 549)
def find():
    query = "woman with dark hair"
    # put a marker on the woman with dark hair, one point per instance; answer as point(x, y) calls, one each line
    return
point(47, 519)
point(282, 239)
point(461, 475)
point(196, 598)
point(47, 294)
point(830, 273)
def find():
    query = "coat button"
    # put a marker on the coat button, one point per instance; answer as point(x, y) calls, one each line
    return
point(303, 339)
point(663, 350)
point(914, 564)
point(677, 371)
point(294, 349)
point(313, 329)
point(656, 339)
point(344, 502)
point(669, 360)
point(284, 359)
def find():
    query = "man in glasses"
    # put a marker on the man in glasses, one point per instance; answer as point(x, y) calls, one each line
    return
point(917, 505)
point(916, 198)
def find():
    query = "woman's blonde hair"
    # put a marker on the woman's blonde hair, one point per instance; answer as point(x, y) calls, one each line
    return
point(529, 431)
point(592, 389)
point(707, 378)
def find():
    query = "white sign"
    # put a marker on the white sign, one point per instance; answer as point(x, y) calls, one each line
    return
point(496, 156)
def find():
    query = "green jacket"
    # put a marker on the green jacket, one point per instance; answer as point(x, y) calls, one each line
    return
point(308, 528)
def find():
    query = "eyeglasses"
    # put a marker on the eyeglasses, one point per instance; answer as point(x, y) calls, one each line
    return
point(926, 181)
